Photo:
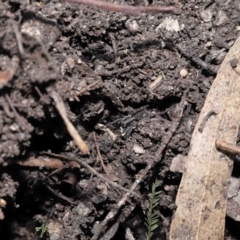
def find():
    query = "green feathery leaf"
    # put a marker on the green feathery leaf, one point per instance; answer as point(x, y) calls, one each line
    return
point(42, 229)
point(152, 217)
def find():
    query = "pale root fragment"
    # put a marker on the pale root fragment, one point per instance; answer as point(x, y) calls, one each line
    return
point(71, 129)
point(202, 196)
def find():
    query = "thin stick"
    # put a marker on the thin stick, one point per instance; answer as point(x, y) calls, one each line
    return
point(227, 147)
point(18, 38)
point(6, 107)
point(129, 234)
point(60, 195)
point(209, 67)
point(107, 130)
point(111, 176)
point(114, 45)
point(71, 129)
point(56, 171)
point(87, 88)
point(93, 171)
point(15, 112)
point(131, 10)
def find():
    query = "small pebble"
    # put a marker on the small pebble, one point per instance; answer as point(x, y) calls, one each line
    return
point(208, 44)
point(3, 203)
point(169, 188)
point(206, 15)
point(138, 149)
point(132, 26)
point(221, 18)
point(234, 63)
point(54, 230)
point(14, 127)
point(220, 57)
point(184, 73)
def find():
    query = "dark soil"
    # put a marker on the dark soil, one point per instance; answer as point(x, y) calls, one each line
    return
point(50, 46)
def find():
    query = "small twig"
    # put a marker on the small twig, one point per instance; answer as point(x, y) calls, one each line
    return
point(227, 147)
point(93, 171)
point(60, 195)
point(111, 231)
point(17, 116)
point(111, 176)
point(107, 130)
point(56, 171)
point(11, 106)
point(155, 83)
point(42, 97)
point(71, 129)
point(129, 234)
point(176, 118)
point(6, 108)
point(114, 45)
point(98, 152)
point(209, 67)
point(18, 39)
point(88, 88)
point(131, 10)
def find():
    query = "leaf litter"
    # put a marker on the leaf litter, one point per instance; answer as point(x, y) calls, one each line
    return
point(202, 196)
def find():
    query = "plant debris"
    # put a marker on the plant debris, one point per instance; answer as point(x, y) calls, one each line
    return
point(70, 71)
point(201, 208)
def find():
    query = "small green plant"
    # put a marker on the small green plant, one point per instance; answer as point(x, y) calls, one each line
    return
point(42, 229)
point(152, 217)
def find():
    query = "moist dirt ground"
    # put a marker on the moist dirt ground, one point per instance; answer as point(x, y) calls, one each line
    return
point(117, 75)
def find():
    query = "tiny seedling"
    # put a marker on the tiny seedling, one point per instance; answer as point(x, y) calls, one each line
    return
point(42, 229)
point(152, 217)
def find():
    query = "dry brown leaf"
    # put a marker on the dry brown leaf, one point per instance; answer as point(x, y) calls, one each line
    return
point(202, 196)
